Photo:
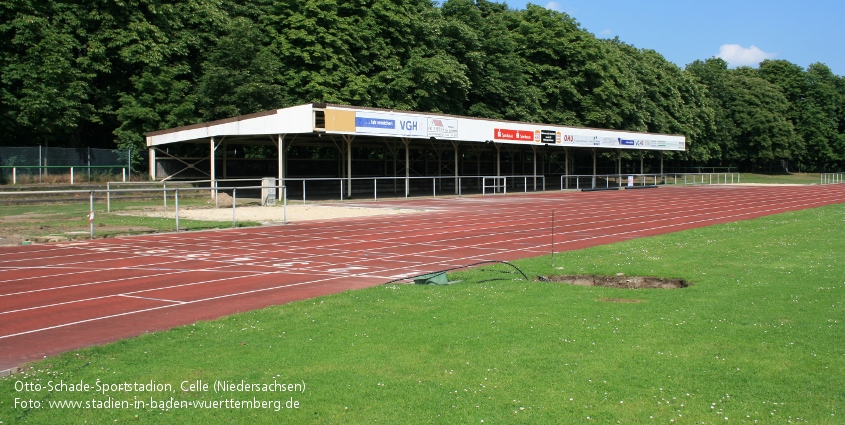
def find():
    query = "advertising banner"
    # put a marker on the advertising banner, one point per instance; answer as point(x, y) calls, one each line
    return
point(519, 135)
point(546, 136)
point(393, 124)
point(442, 128)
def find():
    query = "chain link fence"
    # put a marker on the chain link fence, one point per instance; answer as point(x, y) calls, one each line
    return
point(36, 164)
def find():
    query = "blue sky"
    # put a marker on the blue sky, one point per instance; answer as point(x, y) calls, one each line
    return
point(743, 32)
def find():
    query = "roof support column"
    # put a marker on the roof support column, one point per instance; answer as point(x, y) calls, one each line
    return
point(348, 140)
point(661, 165)
point(457, 161)
point(213, 175)
point(280, 144)
point(619, 167)
point(225, 162)
point(642, 168)
point(407, 167)
point(152, 154)
point(534, 162)
point(498, 163)
point(566, 167)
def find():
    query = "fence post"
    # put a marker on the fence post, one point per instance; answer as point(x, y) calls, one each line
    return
point(285, 206)
point(91, 213)
point(164, 183)
point(341, 190)
point(14, 176)
point(108, 197)
point(234, 205)
point(303, 191)
point(71, 175)
point(176, 201)
point(375, 188)
point(123, 171)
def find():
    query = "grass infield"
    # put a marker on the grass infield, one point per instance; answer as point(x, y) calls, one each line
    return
point(756, 338)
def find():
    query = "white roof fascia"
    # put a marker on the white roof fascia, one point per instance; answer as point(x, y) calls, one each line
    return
point(385, 123)
point(296, 119)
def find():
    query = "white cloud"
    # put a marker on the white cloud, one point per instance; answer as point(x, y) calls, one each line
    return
point(736, 55)
point(554, 6)
point(606, 33)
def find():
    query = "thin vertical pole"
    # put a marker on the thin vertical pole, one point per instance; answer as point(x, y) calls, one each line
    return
point(91, 213)
point(213, 172)
point(553, 238)
point(285, 205)
point(234, 205)
point(176, 200)
point(349, 167)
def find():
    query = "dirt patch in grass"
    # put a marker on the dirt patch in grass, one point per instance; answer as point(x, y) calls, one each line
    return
point(619, 281)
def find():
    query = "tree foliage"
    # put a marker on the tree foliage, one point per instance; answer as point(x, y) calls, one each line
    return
point(103, 73)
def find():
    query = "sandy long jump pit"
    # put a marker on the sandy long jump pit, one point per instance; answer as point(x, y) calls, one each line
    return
point(271, 214)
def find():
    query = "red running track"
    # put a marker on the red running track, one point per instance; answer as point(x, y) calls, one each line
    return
point(58, 297)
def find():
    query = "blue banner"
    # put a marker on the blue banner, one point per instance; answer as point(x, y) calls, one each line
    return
point(374, 122)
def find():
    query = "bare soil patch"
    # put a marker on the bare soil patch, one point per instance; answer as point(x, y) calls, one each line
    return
point(620, 281)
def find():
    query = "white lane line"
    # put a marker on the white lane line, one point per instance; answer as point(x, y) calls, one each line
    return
point(152, 299)
point(167, 306)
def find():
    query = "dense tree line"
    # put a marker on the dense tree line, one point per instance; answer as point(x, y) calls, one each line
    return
point(102, 73)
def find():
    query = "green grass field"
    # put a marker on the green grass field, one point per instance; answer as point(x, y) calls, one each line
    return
point(757, 338)
point(68, 221)
point(794, 178)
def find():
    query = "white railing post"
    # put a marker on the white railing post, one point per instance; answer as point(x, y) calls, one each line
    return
point(176, 201)
point(91, 213)
point(234, 206)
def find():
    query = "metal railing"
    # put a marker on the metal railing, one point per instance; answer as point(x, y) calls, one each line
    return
point(622, 180)
point(831, 178)
point(175, 191)
point(435, 185)
point(71, 169)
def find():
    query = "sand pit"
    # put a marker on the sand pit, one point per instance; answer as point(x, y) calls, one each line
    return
point(276, 214)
